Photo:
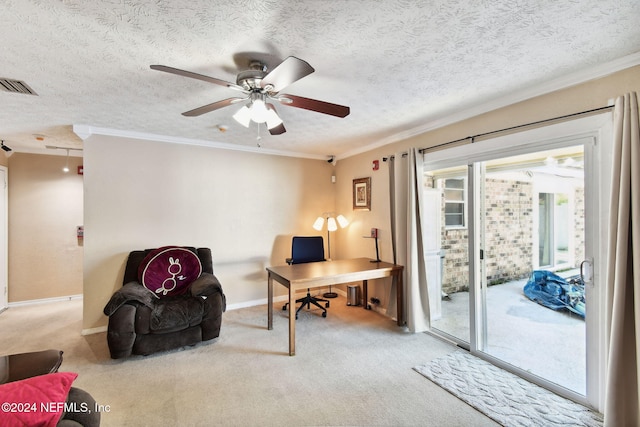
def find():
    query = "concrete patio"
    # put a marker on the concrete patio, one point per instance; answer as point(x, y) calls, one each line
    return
point(544, 342)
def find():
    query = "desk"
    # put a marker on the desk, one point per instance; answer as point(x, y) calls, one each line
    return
point(315, 274)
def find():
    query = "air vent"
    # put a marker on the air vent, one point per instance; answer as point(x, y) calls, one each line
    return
point(16, 86)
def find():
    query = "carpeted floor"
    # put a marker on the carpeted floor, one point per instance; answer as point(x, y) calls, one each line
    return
point(506, 398)
point(354, 368)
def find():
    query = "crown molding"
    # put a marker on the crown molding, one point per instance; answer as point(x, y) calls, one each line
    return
point(86, 131)
point(563, 82)
point(554, 85)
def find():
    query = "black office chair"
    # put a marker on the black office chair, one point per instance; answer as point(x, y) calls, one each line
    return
point(303, 250)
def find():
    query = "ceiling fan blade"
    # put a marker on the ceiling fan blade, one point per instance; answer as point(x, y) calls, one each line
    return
point(290, 70)
point(212, 107)
point(196, 76)
point(314, 105)
point(278, 130)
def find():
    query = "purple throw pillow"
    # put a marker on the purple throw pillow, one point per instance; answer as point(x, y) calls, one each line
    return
point(168, 271)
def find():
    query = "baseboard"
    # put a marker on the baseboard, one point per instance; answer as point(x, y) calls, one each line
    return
point(378, 309)
point(237, 306)
point(253, 303)
point(45, 300)
point(281, 298)
point(244, 304)
point(91, 331)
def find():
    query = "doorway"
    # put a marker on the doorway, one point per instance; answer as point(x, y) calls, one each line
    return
point(524, 233)
point(528, 209)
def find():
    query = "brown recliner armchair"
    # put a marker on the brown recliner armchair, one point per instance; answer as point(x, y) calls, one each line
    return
point(170, 298)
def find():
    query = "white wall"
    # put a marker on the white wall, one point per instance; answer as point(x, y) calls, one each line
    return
point(244, 206)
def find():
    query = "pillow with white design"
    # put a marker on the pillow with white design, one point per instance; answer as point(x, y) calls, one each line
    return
point(168, 271)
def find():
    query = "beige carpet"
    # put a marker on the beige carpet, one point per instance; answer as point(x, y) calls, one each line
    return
point(352, 368)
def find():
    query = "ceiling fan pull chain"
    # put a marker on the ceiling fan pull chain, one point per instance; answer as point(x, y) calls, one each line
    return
point(259, 137)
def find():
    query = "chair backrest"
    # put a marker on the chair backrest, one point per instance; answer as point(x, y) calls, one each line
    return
point(307, 249)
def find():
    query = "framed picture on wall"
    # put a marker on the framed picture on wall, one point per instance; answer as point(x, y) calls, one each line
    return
point(362, 194)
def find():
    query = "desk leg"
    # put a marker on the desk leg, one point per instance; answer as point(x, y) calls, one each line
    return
point(400, 298)
point(365, 294)
point(292, 322)
point(269, 302)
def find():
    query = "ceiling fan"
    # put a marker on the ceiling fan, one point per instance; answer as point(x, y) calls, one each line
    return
point(260, 86)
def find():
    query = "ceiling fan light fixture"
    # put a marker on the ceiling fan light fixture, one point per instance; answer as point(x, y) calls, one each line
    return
point(273, 120)
point(260, 85)
point(258, 111)
point(243, 116)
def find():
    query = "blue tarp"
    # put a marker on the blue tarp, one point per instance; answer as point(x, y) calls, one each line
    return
point(551, 290)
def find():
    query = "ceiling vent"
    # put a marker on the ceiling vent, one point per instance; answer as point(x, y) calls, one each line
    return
point(16, 86)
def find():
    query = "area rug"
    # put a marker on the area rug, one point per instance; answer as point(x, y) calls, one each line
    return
point(503, 396)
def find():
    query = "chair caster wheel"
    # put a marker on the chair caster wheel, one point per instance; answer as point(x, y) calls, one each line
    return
point(324, 314)
point(327, 305)
point(284, 308)
point(296, 317)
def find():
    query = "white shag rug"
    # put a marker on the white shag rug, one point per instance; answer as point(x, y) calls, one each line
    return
point(503, 396)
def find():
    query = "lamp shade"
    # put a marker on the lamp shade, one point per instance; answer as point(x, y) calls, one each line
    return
point(258, 111)
point(273, 120)
point(342, 221)
point(243, 116)
point(319, 223)
point(331, 224)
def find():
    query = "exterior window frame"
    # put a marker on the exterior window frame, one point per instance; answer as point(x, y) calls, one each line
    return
point(462, 202)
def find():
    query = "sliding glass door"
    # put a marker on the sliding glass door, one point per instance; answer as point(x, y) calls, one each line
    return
point(531, 220)
point(507, 232)
point(447, 249)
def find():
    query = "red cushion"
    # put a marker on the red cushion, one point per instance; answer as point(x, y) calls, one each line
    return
point(168, 271)
point(35, 401)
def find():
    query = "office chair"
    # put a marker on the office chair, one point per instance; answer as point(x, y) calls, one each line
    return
point(303, 250)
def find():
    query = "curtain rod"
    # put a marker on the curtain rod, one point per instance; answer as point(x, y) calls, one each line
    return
point(472, 138)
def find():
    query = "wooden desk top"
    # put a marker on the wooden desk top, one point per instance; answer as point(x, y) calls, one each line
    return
point(332, 272)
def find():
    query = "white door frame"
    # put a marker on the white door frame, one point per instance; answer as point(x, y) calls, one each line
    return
point(595, 133)
point(4, 239)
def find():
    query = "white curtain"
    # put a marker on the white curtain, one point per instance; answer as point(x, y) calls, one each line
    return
point(623, 281)
point(406, 186)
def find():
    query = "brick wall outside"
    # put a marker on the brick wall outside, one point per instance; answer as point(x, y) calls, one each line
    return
point(508, 235)
point(509, 230)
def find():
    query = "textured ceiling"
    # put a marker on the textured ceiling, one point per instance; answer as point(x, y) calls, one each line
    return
point(397, 63)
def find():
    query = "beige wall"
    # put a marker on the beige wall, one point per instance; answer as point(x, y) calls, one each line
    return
point(45, 206)
point(244, 206)
point(590, 95)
